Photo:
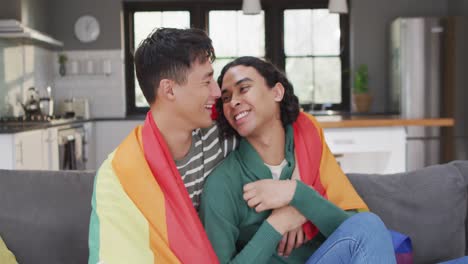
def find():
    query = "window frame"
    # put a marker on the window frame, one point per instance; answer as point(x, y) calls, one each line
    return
point(274, 44)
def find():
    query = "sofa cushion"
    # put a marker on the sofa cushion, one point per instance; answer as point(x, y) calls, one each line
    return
point(462, 166)
point(44, 216)
point(429, 205)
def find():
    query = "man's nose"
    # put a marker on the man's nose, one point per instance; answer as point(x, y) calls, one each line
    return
point(215, 90)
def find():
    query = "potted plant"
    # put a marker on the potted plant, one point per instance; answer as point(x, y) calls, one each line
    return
point(362, 98)
point(62, 60)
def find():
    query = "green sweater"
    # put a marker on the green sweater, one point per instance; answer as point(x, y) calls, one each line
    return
point(241, 235)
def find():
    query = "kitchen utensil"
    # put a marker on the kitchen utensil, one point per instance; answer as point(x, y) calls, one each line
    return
point(31, 107)
point(68, 108)
point(81, 107)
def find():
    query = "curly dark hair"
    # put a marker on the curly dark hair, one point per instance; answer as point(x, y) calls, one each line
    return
point(168, 53)
point(289, 106)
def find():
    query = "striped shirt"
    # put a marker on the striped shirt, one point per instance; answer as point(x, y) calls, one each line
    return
point(208, 149)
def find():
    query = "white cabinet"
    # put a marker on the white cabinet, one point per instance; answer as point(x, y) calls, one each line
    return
point(50, 148)
point(28, 150)
point(368, 150)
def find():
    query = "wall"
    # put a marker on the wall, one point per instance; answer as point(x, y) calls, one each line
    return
point(32, 13)
point(21, 67)
point(11, 72)
point(370, 20)
point(11, 9)
point(35, 14)
point(65, 13)
point(108, 13)
point(369, 24)
point(458, 7)
point(105, 92)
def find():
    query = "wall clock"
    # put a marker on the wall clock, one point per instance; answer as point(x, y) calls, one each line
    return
point(87, 29)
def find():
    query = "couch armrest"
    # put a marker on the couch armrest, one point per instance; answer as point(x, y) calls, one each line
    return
point(429, 205)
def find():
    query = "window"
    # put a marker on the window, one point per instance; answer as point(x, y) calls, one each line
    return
point(312, 54)
point(299, 36)
point(144, 24)
point(235, 34)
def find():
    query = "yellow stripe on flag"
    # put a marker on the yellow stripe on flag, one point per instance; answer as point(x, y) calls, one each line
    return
point(145, 193)
point(123, 228)
point(340, 191)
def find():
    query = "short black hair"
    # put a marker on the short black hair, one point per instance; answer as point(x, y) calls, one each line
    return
point(289, 106)
point(168, 53)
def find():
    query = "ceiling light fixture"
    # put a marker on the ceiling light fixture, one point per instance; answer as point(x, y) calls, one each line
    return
point(251, 7)
point(337, 6)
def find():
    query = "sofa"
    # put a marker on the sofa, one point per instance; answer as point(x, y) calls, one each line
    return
point(44, 215)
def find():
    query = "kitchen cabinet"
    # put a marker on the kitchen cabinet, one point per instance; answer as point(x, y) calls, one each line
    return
point(30, 150)
point(50, 149)
point(368, 150)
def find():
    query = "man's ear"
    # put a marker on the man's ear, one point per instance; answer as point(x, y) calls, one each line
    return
point(166, 89)
point(278, 90)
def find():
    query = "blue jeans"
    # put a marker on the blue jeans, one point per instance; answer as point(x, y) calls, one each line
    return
point(362, 238)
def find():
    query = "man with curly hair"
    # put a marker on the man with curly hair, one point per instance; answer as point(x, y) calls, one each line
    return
point(251, 200)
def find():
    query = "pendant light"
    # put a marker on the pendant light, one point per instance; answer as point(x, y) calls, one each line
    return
point(337, 6)
point(251, 7)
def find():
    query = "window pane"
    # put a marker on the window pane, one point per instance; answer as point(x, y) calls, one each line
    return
point(299, 72)
point(235, 34)
point(145, 23)
point(311, 32)
point(327, 80)
point(315, 80)
point(218, 65)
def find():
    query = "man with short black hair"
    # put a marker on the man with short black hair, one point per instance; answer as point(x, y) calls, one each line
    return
point(147, 192)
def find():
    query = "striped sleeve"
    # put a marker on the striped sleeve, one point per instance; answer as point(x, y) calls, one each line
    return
point(229, 144)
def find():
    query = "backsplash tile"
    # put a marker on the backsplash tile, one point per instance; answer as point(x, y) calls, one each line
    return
point(97, 75)
point(22, 66)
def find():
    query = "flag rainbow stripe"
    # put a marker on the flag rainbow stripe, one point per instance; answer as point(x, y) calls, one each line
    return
point(141, 210)
point(319, 169)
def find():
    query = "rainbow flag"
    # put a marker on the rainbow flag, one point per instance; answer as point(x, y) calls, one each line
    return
point(142, 212)
point(319, 169)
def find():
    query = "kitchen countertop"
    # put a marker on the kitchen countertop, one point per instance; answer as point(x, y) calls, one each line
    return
point(349, 121)
point(332, 121)
point(18, 126)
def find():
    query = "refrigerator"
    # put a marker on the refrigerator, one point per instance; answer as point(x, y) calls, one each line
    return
point(429, 79)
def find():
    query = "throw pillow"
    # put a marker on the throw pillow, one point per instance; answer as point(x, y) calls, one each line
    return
point(6, 257)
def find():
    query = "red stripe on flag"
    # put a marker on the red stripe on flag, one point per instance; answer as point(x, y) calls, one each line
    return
point(186, 235)
point(309, 147)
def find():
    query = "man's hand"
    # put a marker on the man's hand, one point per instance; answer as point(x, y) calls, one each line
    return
point(291, 240)
point(269, 194)
point(286, 219)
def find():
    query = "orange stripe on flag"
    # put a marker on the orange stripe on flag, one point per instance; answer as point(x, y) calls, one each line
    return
point(140, 185)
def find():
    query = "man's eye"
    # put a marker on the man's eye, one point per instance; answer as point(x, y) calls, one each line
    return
point(244, 89)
